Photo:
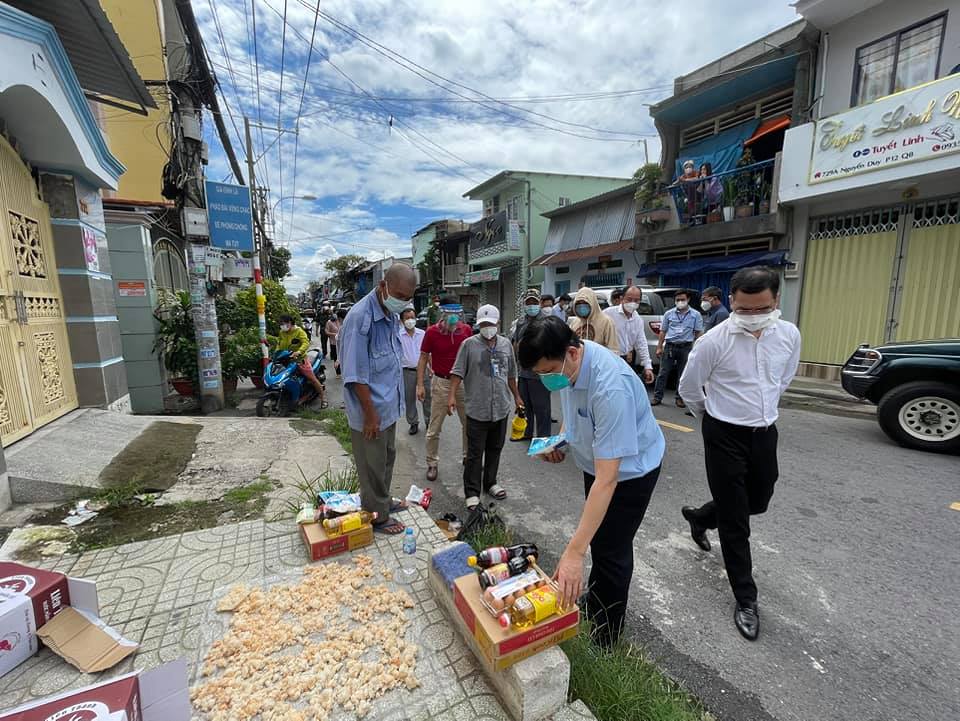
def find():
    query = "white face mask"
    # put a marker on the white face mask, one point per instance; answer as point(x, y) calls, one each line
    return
point(630, 306)
point(285, 327)
point(706, 305)
point(682, 305)
point(755, 322)
point(488, 331)
point(410, 323)
point(546, 310)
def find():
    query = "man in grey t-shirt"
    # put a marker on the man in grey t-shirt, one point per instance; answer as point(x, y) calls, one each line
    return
point(487, 367)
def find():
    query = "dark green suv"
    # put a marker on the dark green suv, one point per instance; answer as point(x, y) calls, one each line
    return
point(916, 386)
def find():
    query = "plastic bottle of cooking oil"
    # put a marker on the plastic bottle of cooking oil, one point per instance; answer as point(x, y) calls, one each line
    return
point(533, 607)
point(350, 522)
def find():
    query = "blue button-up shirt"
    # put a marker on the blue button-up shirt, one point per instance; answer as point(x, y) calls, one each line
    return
point(369, 353)
point(680, 328)
point(606, 415)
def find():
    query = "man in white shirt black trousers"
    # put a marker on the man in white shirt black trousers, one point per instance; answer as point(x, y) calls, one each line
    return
point(734, 378)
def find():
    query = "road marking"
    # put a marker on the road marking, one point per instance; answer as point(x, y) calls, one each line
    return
point(674, 426)
point(955, 506)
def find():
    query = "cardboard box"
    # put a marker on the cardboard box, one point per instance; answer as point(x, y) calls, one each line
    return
point(62, 611)
point(501, 647)
point(321, 546)
point(160, 694)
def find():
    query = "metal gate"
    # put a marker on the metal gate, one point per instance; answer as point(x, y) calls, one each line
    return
point(36, 372)
point(880, 275)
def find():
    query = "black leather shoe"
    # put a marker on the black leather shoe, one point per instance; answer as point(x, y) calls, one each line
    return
point(414, 429)
point(697, 532)
point(747, 620)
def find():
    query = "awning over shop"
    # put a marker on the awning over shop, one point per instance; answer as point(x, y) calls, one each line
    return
point(770, 126)
point(714, 264)
point(487, 275)
point(569, 256)
point(722, 151)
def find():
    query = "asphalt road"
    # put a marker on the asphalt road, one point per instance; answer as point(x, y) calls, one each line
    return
point(856, 562)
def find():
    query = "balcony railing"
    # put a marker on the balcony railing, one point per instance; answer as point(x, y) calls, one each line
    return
point(453, 274)
point(734, 194)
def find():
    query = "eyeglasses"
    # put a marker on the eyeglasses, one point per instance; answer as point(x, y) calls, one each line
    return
point(755, 311)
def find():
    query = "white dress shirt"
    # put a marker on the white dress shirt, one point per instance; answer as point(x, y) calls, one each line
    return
point(744, 376)
point(630, 334)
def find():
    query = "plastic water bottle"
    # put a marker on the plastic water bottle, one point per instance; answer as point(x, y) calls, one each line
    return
point(409, 564)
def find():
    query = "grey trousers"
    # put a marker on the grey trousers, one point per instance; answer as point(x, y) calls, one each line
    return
point(410, 397)
point(374, 461)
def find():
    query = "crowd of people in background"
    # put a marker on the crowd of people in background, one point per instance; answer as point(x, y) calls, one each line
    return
point(731, 366)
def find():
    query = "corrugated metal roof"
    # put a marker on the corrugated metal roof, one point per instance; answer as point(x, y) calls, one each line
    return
point(99, 59)
point(568, 256)
point(593, 226)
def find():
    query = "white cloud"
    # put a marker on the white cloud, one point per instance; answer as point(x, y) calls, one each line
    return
point(351, 159)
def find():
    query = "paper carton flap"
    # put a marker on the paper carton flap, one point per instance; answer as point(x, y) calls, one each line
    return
point(85, 641)
point(164, 693)
point(83, 595)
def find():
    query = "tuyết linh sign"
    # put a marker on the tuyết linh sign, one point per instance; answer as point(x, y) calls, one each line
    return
point(487, 275)
point(916, 124)
point(230, 219)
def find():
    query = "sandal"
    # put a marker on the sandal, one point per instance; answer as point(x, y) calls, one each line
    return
point(498, 492)
point(396, 504)
point(391, 527)
point(472, 502)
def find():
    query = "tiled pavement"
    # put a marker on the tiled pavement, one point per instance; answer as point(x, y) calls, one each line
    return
point(162, 594)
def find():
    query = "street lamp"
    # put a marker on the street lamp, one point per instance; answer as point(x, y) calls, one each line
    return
point(292, 197)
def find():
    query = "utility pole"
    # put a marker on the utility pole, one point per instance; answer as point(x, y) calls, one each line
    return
point(259, 243)
point(191, 152)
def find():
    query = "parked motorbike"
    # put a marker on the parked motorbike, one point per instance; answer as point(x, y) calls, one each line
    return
point(286, 388)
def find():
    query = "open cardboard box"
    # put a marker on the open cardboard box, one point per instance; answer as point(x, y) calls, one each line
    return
point(60, 611)
point(319, 545)
point(160, 694)
point(501, 647)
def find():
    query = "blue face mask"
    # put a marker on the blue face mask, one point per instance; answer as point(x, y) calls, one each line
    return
point(555, 381)
point(532, 310)
point(453, 319)
point(583, 311)
point(394, 305)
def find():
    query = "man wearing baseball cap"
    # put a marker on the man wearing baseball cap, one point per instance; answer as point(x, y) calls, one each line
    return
point(487, 367)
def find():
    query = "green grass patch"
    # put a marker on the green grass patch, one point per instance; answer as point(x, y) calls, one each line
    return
point(242, 494)
point(334, 422)
point(492, 534)
point(345, 479)
point(621, 685)
point(150, 462)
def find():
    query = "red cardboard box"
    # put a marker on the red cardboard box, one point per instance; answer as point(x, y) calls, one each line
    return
point(160, 694)
point(501, 647)
point(320, 545)
point(32, 606)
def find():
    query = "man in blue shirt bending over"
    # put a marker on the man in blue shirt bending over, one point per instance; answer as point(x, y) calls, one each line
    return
point(370, 357)
point(680, 327)
point(616, 442)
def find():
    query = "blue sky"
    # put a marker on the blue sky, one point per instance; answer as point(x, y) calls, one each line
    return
point(386, 151)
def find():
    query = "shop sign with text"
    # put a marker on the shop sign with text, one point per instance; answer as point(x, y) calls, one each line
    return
point(917, 124)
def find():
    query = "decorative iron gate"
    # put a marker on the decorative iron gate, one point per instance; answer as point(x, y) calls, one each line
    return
point(36, 372)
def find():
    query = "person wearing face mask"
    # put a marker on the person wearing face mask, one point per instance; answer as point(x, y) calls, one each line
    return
point(434, 312)
point(589, 322)
point(679, 328)
point(633, 341)
point(370, 357)
point(411, 340)
point(616, 442)
point(562, 307)
point(713, 308)
point(332, 329)
point(294, 339)
point(546, 305)
point(536, 398)
point(487, 368)
point(439, 349)
point(733, 380)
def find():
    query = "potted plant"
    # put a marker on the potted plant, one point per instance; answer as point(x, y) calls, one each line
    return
point(764, 205)
point(176, 341)
point(746, 182)
point(729, 196)
point(652, 208)
point(241, 357)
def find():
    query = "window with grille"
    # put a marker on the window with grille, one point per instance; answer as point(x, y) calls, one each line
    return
point(169, 268)
point(513, 208)
point(899, 61)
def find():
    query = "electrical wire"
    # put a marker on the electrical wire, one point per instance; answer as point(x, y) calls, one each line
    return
point(406, 63)
point(303, 92)
point(283, 50)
